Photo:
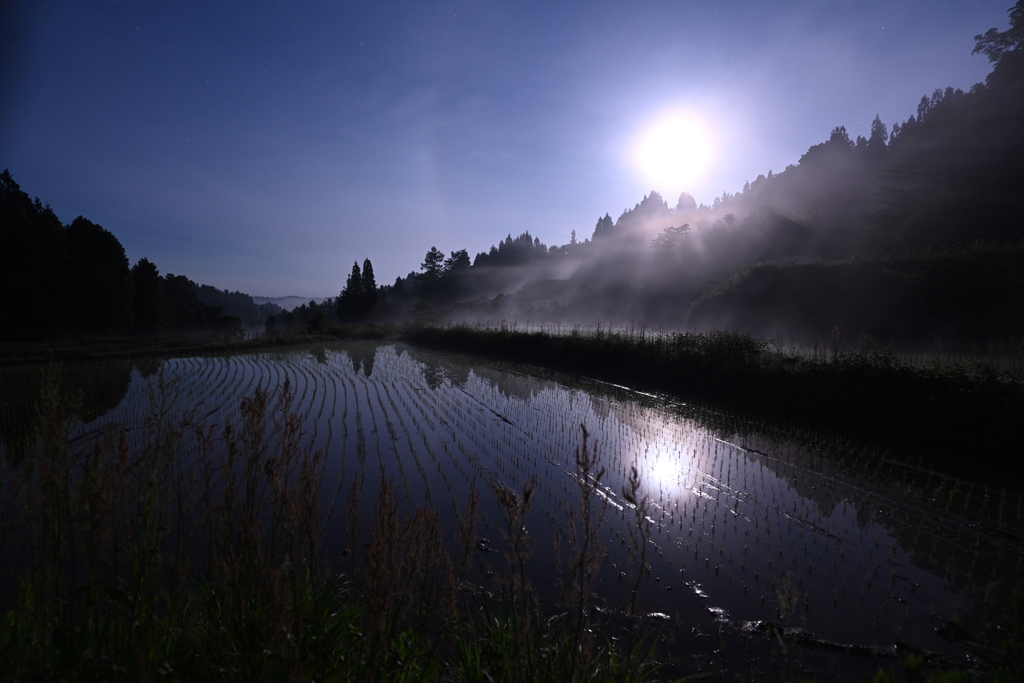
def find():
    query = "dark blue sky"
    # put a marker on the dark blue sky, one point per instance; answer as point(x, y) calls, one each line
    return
point(264, 146)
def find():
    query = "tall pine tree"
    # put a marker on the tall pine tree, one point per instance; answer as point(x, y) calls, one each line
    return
point(368, 288)
point(351, 296)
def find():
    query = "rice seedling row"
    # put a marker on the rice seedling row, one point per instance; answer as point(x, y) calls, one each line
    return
point(758, 543)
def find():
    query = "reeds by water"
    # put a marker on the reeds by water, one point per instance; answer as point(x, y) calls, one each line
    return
point(200, 557)
point(939, 406)
point(733, 505)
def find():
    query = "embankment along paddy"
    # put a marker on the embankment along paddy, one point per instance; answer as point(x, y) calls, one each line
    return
point(741, 548)
point(960, 415)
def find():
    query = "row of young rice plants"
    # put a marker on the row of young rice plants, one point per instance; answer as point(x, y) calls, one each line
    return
point(542, 455)
point(170, 416)
point(812, 550)
point(942, 407)
point(797, 532)
point(750, 551)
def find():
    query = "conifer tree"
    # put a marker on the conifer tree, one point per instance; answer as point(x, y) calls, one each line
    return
point(433, 264)
point(368, 288)
point(351, 296)
point(152, 311)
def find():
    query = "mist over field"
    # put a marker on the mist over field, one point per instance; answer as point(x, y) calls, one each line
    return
point(910, 235)
point(901, 228)
point(530, 403)
point(906, 231)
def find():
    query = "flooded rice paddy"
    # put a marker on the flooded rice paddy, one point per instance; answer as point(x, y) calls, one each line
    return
point(770, 551)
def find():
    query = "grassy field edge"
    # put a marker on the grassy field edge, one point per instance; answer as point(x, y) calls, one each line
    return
point(954, 415)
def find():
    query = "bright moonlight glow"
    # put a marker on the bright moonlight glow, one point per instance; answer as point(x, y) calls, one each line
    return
point(675, 151)
point(665, 467)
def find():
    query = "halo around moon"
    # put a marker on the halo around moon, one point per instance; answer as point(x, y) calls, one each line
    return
point(674, 150)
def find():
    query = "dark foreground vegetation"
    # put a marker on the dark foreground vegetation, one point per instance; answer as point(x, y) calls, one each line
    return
point(202, 558)
point(935, 411)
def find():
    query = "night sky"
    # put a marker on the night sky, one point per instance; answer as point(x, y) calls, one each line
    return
point(264, 146)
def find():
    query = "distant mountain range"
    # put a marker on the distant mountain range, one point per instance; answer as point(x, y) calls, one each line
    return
point(288, 302)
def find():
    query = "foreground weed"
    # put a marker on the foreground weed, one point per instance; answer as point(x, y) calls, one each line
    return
point(639, 534)
point(519, 596)
point(587, 552)
point(198, 554)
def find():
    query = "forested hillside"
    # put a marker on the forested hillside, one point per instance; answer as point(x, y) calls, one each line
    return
point(910, 234)
point(74, 281)
point(903, 234)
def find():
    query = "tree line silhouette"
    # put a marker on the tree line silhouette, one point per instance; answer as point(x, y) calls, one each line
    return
point(948, 177)
point(75, 280)
point(359, 294)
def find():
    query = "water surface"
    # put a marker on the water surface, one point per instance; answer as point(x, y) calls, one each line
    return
point(771, 553)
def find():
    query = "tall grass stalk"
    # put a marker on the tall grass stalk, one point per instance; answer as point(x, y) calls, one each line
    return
point(200, 556)
point(639, 534)
point(583, 532)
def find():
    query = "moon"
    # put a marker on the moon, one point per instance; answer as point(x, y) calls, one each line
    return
point(674, 151)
